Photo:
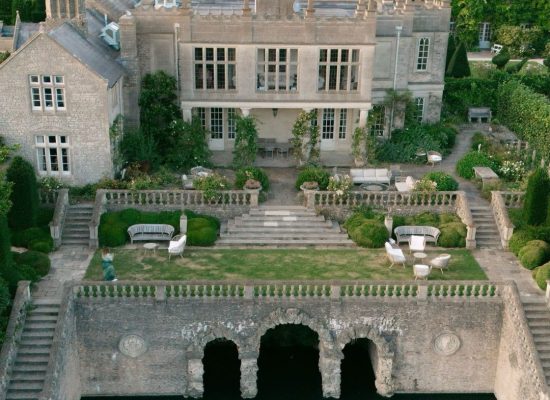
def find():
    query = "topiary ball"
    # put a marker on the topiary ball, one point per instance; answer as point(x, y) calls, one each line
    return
point(44, 246)
point(112, 235)
point(453, 234)
point(534, 254)
point(371, 234)
point(542, 275)
point(519, 239)
point(40, 262)
point(205, 236)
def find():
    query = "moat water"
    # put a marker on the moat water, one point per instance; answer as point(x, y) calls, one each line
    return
point(288, 370)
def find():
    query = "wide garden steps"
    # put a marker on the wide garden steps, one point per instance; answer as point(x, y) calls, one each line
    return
point(33, 353)
point(292, 226)
point(487, 234)
point(76, 229)
point(538, 319)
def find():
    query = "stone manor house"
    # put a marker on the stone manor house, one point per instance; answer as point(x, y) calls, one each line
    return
point(62, 89)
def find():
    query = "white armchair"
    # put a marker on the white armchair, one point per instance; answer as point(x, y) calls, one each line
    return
point(441, 262)
point(417, 243)
point(395, 255)
point(421, 271)
point(177, 245)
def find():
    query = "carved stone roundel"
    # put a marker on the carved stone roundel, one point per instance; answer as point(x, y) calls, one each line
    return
point(446, 343)
point(132, 346)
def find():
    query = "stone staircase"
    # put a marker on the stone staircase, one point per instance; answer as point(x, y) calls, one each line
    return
point(75, 227)
point(282, 226)
point(538, 319)
point(487, 235)
point(33, 353)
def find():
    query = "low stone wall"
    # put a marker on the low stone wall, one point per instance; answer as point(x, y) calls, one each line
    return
point(13, 334)
point(148, 338)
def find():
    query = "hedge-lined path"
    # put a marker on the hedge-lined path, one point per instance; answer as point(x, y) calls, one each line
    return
point(69, 263)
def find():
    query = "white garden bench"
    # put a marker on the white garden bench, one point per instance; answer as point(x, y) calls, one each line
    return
point(403, 233)
point(496, 48)
point(150, 232)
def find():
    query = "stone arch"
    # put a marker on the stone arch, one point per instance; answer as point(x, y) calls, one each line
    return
point(385, 346)
point(210, 333)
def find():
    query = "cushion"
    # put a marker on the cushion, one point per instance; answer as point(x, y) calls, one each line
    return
point(369, 173)
point(381, 172)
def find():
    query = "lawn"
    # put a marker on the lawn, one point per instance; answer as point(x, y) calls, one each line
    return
point(278, 264)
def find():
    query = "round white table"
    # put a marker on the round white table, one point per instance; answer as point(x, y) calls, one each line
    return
point(419, 256)
point(151, 246)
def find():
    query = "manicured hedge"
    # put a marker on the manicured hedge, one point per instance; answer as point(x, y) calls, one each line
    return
point(38, 239)
point(464, 166)
point(542, 274)
point(534, 254)
point(32, 265)
point(535, 205)
point(453, 231)
point(444, 181)
point(24, 196)
point(202, 230)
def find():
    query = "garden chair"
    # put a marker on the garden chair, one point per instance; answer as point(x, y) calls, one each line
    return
point(434, 157)
point(417, 244)
point(395, 255)
point(177, 245)
point(441, 262)
point(421, 271)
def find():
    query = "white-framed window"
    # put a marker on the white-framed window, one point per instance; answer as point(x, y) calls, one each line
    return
point(220, 122)
point(231, 123)
point(215, 68)
point(52, 154)
point(419, 108)
point(343, 125)
point(423, 54)
point(216, 123)
point(47, 92)
point(484, 31)
point(378, 124)
point(338, 70)
point(327, 127)
point(277, 70)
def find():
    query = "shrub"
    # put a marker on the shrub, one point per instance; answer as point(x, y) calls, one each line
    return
point(258, 174)
point(313, 174)
point(44, 246)
point(459, 66)
point(453, 234)
point(24, 196)
point(6, 261)
point(31, 237)
point(515, 68)
point(246, 141)
point(444, 182)
point(112, 234)
point(201, 232)
point(479, 138)
point(27, 273)
point(426, 218)
point(38, 261)
point(44, 217)
point(534, 254)
point(211, 186)
point(191, 214)
point(5, 297)
point(542, 275)
point(501, 59)
point(129, 216)
point(371, 234)
point(535, 205)
point(520, 238)
point(448, 217)
point(464, 166)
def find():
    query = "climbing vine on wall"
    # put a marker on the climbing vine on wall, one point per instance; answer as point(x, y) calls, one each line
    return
point(305, 138)
point(246, 142)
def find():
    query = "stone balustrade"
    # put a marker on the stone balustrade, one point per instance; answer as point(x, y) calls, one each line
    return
point(500, 212)
point(56, 224)
point(451, 290)
point(47, 198)
point(465, 214)
point(513, 199)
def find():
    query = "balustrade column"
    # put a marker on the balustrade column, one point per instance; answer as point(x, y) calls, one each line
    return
point(329, 367)
point(249, 373)
point(195, 372)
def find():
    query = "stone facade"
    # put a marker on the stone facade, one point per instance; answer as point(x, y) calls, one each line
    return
point(90, 106)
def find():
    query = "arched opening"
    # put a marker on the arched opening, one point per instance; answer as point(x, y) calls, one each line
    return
point(357, 373)
point(222, 370)
point(289, 364)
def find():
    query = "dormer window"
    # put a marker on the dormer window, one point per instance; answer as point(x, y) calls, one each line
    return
point(166, 3)
point(110, 33)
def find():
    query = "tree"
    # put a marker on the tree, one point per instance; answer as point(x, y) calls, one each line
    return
point(5, 12)
point(38, 10)
point(502, 58)
point(25, 10)
point(451, 48)
point(459, 66)
point(535, 206)
point(24, 196)
point(189, 145)
point(547, 62)
point(246, 142)
point(158, 108)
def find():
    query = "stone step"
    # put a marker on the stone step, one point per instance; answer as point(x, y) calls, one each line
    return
point(543, 347)
point(28, 376)
point(37, 334)
point(281, 213)
point(273, 235)
point(45, 310)
point(538, 331)
point(32, 386)
point(30, 368)
point(266, 207)
point(22, 396)
point(544, 355)
point(41, 318)
point(46, 302)
point(76, 228)
point(535, 307)
point(281, 229)
point(539, 323)
point(313, 225)
point(75, 242)
point(32, 359)
point(289, 218)
point(75, 219)
point(37, 326)
point(32, 350)
point(283, 242)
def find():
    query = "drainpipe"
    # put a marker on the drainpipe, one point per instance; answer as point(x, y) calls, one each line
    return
point(398, 29)
point(176, 55)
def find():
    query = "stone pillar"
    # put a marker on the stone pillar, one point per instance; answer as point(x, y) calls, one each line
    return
point(187, 113)
point(383, 382)
point(245, 112)
point(183, 223)
point(249, 373)
point(195, 372)
point(330, 375)
point(363, 116)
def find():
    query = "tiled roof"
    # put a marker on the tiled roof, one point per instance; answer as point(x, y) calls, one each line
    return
point(89, 54)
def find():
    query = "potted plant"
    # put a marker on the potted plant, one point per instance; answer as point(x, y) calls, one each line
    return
point(252, 184)
point(309, 185)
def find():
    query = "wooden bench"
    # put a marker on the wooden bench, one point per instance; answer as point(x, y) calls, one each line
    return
point(403, 233)
point(486, 174)
point(149, 232)
point(479, 114)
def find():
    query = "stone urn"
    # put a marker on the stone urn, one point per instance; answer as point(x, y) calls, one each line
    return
point(252, 186)
point(309, 185)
